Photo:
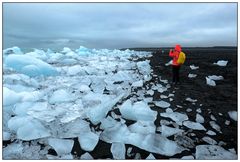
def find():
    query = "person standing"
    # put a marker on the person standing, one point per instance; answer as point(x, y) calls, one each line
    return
point(175, 65)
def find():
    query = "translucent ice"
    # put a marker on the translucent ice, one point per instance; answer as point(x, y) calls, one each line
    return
point(118, 150)
point(61, 95)
point(233, 115)
point(142, 127)
point(86, 156)
point(210, 82)
point(199, 118)
point(162, 104)
point(29, 65)
point(137, 111)
point(175, 116)
point(213, 152)
point(221, 63)
point(193, 125)
point(150, 157)
point(88, 140)
point(169, 131)
point(61, 146)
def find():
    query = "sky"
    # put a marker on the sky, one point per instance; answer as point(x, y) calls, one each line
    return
point(118, 25)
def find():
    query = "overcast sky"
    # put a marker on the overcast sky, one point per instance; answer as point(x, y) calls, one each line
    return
point(118, 25)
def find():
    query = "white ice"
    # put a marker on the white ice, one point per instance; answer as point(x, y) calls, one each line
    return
point(194, 125)
point(210, 82)
point(61, 146)
point(137, 111)
point(10, 97)
point(86, 156)
point(215, 77)
point(142, 127)
point(61, 95)
point(192, 75)
point(221, 63)
point(199, 118)
point(190, 99)
point(213, 152)
point(138, 83)
point(162, 104)
point(209, 140)
point(193, 67)
point(150, 157)
point(233, 115)
point(175, 116)
point(88, 140)
point(169, 131)
point(118, 150)
point(215, 126)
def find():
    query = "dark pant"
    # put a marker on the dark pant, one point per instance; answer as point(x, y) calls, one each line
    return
point(175, 70)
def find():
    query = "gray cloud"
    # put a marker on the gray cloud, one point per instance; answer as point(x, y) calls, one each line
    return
point(118, 25)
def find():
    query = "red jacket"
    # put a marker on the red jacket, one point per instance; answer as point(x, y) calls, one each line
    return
point(174, 55)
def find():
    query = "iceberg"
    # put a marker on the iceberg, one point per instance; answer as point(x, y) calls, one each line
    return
point(29, 65)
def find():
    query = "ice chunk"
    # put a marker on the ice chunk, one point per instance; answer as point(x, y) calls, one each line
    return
point(118, 150)
point(107, 123)
point(98, 112)
point(84, 88)
point(169, 63)
point(129, 150)
point(227, 122)
point(221, 63)
point(18, 121)
point(209, 140)
point(12, 151)
point(193, 125)
point(215, 77)
point(162, 104)
point(150, 157)
point(233, 115)
point(32, 130)
point(29, 65)
point(86, 156)
point(184, 141)
point(150, 142)
point(10, 97)
point(210, 82)
point(193, 67)
point(189, 157)
point(142, 127)
point(211, 133)
point(175, 116)
point(144, 67)
point(76, 69)
point(12, 50)
point(138, 111)
point(213, 152)
point(60, 96)
point(199, 118)
point(169, 131)
point(213, 117)
point(61, 146)
point(215, 126)
point(190, 99)
point(192, 75)
point(138, 156)
point(6, 136)
point(88, 140)
point(138, 83)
